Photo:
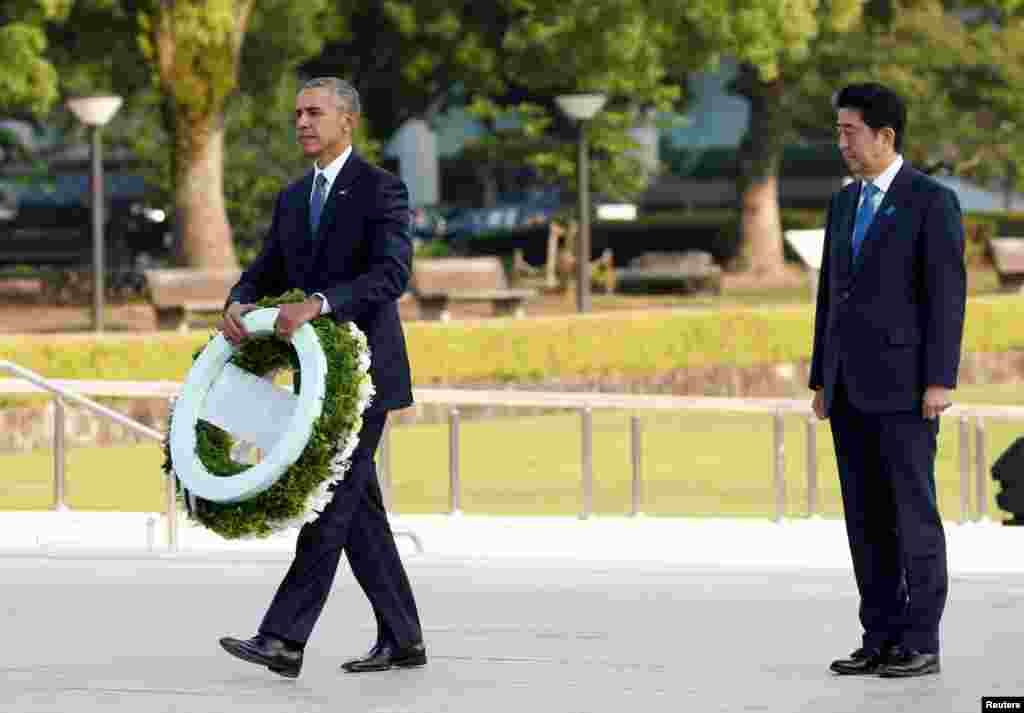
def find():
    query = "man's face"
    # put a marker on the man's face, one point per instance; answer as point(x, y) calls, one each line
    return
point(867, 151)
point(323, 127)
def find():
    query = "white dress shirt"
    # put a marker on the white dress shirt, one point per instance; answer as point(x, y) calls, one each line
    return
point(882, 183)
point(330, 173)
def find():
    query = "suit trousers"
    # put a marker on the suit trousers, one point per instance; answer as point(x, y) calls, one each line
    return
point(887, 476)
point(355, 521)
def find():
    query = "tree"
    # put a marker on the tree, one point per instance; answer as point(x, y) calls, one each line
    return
point(959, 65)
point(28, 83)
point(196, 48)
point(773, 41)
point(186, 66)
point(220, 89)
point(580, 46)
point(961, 71)
point(506, 62)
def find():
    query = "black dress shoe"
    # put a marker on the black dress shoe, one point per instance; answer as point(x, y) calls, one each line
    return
point(383, 658)
point(268, 651)
point(862, 662)
point(910, 663)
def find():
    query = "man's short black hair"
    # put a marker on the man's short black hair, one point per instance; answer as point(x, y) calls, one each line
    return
point(878, 105)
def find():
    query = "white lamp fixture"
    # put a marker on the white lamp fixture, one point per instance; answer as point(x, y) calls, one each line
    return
point(95, 111)
point(581, 107)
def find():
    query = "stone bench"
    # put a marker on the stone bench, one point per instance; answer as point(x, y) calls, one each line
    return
point(685, 272)
point(438, 282)
point(1008, 259)
point(179, 294)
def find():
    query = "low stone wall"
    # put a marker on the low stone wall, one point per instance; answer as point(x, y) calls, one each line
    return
point(29, 428)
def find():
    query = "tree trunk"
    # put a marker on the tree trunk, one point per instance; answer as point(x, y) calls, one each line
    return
point(762, 227)
point(206, 240)
point(198, 67)
point(758, 186)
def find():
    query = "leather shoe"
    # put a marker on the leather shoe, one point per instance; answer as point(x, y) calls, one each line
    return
point(268, 651)
point(862, 662)
point(909, 663)
point(383, 658)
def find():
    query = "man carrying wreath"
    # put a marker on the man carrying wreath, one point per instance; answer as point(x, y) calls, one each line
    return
point(340, 234)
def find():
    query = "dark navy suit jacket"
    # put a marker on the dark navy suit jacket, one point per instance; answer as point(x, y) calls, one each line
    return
point(892, 321)
point(360, 261)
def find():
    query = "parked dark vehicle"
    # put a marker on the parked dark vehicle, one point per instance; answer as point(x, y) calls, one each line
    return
point(516, 211)
point(46, 222)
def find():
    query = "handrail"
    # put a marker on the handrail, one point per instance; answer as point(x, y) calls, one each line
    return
point(516, 398)
point(584, 403)
point(62, 388)
point(62, 392)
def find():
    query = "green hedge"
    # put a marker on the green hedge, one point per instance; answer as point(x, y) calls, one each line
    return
point(616, 344)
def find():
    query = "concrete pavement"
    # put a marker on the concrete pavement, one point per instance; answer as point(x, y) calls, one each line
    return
point(529, 614)
point(85, 634)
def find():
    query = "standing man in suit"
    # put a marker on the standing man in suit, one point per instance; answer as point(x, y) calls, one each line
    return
point(887, 335)
point(340, 234)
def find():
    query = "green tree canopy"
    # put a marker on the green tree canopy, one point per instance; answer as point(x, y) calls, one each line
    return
point(28, 82)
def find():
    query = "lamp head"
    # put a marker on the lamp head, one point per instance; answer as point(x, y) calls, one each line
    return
point(581, 107)
point(94, 111)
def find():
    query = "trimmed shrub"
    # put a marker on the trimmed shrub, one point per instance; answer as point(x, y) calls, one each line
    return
point(607, 344)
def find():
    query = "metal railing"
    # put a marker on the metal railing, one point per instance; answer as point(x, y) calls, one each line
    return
point(582, 403)
point(66, 391)
point(778, 409)
point(28, 382)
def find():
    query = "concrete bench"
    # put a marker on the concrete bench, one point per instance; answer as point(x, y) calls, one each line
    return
point(686, 272)
point(437, 282)
point(1008, 259)
point(179, 294)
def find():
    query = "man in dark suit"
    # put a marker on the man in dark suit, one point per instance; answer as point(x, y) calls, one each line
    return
point(340, 234)
point(887, 335)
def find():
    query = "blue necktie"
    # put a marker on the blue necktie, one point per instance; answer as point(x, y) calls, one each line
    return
point(316, 204)
point(864, 215)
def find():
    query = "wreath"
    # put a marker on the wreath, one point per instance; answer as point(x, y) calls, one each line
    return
point(304, 489)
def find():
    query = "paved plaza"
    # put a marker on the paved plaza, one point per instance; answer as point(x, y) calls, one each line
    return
point(87, 628)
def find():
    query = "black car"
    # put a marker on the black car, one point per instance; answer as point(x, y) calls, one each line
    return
point(46, 222)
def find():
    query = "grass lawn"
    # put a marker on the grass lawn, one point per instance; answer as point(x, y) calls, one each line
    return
point(693, 464)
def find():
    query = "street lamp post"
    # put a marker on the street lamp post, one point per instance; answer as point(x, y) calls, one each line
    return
point(95, 112)
point(581, 108)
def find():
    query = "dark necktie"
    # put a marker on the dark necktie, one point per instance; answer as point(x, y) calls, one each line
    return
point(316, 203)
point(865, 214)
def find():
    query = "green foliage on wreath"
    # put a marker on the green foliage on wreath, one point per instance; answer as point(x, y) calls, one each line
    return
point(287, 498)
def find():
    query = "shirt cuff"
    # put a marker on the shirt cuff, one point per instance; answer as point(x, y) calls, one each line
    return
point(325, 306)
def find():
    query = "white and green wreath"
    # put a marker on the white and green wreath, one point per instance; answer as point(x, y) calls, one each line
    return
point(292, 484)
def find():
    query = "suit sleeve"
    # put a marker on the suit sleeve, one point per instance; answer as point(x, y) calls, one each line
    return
point(390, 260)
point(945, 289)
point(817, 376)
point(266, 275)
